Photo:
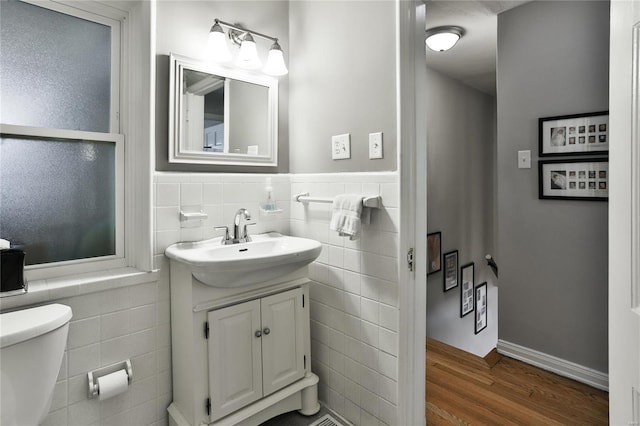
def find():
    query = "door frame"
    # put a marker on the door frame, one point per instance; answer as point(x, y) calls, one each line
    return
point(624, 214)
point(412, 161)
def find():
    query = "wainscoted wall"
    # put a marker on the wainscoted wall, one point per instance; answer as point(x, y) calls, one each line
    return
point(354, 298)
point(108, 327)
point(355, 292)
point(220, 196)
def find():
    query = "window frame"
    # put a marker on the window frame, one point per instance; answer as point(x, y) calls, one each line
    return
point(117, 20)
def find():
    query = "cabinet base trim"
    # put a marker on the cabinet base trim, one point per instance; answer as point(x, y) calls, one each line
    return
point(301, 395)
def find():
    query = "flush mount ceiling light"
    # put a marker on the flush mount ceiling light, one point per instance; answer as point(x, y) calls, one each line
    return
point(443, 38)
point(248, 55)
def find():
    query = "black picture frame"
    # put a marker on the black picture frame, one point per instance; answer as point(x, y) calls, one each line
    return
point(467, 289)
point(576, 134)
point(434, 250)
point(481, 307)
point(579, 179)
point(450, 277)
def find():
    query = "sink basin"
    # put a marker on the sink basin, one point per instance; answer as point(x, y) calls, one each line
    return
point(268, 256)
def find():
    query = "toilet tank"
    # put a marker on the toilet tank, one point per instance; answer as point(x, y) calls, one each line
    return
point(32, 343)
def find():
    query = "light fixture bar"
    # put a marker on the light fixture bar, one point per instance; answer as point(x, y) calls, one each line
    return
point(248, 55)
point(245, 30)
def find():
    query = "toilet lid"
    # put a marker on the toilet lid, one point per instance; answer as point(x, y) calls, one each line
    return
point(25, 324)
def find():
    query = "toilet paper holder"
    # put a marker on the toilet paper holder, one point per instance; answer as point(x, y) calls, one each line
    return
point(94, 390)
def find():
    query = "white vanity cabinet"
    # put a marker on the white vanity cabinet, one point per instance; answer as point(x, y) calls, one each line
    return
point(240, 356)
point(255, 349)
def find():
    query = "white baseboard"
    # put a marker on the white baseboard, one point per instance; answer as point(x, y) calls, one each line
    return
point(556, 365)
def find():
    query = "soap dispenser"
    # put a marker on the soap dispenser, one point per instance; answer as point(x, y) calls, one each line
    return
point(270, 204)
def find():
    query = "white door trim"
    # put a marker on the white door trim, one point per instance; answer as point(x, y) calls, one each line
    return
point(624, 170)
point(411, 113)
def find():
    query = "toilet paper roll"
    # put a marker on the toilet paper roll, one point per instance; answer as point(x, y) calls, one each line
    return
point(112, 384)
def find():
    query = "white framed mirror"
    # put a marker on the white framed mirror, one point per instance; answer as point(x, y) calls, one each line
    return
point(220, 115)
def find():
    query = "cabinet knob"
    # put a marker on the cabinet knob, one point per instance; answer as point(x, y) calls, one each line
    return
point(266, 331)
point(258, 333)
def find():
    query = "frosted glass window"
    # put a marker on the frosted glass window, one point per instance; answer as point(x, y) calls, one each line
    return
point(58, 198)
point(55, 69)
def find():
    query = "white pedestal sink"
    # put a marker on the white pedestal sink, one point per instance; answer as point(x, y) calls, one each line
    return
point(240, 330)
point(266, 257)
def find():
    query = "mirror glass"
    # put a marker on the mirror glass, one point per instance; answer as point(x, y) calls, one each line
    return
point(221, 116)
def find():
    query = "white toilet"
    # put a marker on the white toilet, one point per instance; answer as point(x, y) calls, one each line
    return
point(32, 343)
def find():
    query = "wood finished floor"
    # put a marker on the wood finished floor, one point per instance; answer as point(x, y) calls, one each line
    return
point(463, 389)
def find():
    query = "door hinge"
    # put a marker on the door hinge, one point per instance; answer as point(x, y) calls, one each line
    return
point(410, 259)
point(304, 362)
point(206, 330)
point(303, 300)
point(208, 406)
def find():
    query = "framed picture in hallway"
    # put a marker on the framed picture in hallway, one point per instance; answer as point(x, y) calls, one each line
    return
point(434, 242)
point(578, 134)
point(466, 289)
point(574, 179)
point(450, 261)
point(481, 307)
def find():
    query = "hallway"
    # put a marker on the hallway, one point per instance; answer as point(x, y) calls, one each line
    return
point(463, 389)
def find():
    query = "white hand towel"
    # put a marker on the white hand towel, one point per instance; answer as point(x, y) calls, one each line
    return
point(346, 216)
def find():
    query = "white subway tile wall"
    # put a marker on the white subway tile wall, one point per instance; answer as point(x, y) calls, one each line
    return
point(108, 327)
point(354, 304)
point(220, 196)
point(354, 298)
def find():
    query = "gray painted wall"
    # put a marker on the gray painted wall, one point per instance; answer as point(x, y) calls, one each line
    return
point(183, 28)
point(461, 159)
point(552, 60)
point(342, 80)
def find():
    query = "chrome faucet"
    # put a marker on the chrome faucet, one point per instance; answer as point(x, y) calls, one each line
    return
point(240, 234)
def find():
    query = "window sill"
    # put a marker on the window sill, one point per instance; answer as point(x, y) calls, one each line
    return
point(42, 291)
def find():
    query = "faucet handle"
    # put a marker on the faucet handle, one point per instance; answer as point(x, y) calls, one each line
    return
point(246, 236)
point(226, 233)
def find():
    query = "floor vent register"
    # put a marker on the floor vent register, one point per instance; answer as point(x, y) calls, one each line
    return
point(326, 420)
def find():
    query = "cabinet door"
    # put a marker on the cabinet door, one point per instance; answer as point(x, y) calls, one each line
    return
point(282, 340)
point(235, 376)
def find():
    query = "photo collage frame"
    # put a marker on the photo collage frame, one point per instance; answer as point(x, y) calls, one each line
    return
point(574, 135)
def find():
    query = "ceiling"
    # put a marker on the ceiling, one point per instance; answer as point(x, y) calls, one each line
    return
point(473, 60)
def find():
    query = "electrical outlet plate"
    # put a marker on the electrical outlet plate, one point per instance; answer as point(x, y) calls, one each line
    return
point(375, 145)
point(341, 147)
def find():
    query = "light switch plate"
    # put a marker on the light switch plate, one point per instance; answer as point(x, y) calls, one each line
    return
point(341, 147)
point(524, 159)
point(375, 145)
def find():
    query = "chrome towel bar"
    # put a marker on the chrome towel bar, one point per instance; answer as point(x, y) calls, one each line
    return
point(374, 202)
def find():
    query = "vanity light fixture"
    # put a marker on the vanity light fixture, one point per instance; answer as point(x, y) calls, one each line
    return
point(275, 61)
point(218, 44)
point(248, 55)
point(443, 38)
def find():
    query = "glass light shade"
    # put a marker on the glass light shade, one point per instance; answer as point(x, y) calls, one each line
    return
point(275, 62)
point(248, 55)
point(218, 45)
point(442, 41)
